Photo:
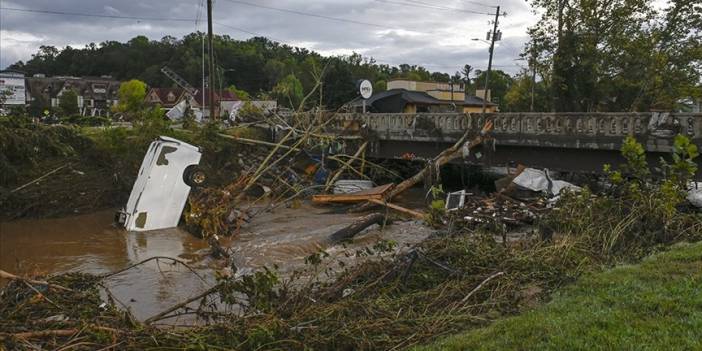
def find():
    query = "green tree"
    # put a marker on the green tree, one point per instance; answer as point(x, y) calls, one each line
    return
point(68, 103)
point(380, 85)
point(241, 94)
point(500, 83)
point(466, 72)
point(618, 55)
point(289, 92)
point(260, 64)
point(518, 97)
point(131, 96)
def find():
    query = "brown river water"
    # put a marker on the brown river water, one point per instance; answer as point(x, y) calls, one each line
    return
point(91, 244)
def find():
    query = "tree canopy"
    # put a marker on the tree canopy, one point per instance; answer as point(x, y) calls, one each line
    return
point(131, 96)
point(68, 103)
point(254, 66)
point(584, 55)
point(618, 55)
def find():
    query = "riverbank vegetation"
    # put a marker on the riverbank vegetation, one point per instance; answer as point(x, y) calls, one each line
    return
point(652, 305)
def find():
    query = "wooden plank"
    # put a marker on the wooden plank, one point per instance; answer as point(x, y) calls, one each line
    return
point(377, 193)
point(412, 213)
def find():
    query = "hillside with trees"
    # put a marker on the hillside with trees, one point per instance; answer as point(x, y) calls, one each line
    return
point(258, 66)
point(609, 56)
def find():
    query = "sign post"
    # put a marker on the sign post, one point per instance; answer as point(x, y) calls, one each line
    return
point(365, 88)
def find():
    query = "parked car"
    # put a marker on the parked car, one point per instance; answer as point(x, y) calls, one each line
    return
point(167, 173)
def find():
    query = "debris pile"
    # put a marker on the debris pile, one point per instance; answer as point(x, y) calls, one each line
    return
point(694, 195)
point(501, 209)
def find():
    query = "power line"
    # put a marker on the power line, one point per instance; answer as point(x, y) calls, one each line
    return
point(65, 13)
point(248, 32)
point(426, 5)
point(479, 4)
point(200, 6)
point(301, 13)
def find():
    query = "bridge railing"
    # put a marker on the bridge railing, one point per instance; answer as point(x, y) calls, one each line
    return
point(578, 125)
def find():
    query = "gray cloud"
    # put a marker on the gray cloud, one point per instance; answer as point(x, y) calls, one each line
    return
point(437, 39)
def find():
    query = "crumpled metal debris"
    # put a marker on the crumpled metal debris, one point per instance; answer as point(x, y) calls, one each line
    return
point(694, 195)
point(540, 181)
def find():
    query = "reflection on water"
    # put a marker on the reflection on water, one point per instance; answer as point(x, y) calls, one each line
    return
point(89, 243)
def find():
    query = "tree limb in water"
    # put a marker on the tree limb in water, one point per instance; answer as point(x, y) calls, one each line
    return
point(11, 276)
point(356, 227)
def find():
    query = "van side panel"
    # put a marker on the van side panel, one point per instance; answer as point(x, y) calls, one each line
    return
point(165, 193)
point(140, 184)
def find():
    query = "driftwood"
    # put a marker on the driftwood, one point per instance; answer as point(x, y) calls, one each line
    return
point(11, 276)
point(465, 299)
point(180, 305)
point(346, 165)
point(38, 179)
point(257, 142)
point(443, 158)
point(377, 193)
point(397, 208)
point(356, 227)
point(59, 332)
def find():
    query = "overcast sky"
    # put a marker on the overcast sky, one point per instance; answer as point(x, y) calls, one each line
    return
point(433, 33)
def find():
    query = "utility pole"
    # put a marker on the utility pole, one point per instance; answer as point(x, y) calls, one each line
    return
point(492, 50)
point(213, 108)
point(556, 69)
point(533, 77)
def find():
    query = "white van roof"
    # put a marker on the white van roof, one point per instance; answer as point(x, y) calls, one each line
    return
point(178, 142)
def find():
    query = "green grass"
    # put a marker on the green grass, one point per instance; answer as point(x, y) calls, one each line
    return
point(654, 305)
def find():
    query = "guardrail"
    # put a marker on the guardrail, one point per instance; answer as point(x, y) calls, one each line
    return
point(591, 130)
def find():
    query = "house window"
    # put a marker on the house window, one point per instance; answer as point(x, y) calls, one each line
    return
point(99, 88)
point(171, 97)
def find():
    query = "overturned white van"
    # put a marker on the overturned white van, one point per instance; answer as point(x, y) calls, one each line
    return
point(167, 173)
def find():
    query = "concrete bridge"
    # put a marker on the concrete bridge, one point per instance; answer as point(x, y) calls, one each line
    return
point(578, 142)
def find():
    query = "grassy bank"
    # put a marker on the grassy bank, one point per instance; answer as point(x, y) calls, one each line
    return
point(654, 305)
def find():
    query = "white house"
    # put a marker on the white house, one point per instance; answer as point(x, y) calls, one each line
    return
point(12, 84)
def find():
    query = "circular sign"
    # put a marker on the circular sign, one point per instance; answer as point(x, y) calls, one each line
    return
point(365, 88)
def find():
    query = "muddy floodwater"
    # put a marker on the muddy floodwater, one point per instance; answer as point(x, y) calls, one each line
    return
point(90, 243)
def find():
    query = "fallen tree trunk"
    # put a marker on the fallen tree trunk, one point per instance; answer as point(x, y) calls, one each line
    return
point(443, 158)
point(356, 227)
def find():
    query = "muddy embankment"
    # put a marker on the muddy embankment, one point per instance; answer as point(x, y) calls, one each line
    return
point(55, 171)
